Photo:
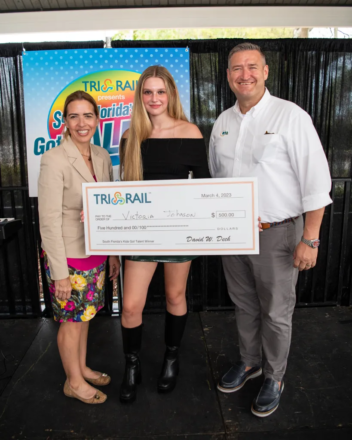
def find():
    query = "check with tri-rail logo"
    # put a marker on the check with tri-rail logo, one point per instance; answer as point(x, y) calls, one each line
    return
point(172, 217)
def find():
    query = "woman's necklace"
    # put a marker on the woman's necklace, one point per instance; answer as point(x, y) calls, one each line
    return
point(87, 155)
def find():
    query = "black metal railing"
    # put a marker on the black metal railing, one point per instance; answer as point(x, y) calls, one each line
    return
point(330, 283)
point(19, 290)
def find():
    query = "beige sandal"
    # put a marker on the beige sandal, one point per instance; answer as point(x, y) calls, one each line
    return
point(99, 397)
point(103, 380)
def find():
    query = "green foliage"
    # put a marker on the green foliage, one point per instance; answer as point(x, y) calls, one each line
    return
point(204, 34)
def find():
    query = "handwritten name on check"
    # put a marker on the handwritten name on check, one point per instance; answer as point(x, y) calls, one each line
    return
point(172, 217)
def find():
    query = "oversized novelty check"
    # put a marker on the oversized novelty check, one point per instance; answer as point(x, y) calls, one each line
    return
point(172, 217)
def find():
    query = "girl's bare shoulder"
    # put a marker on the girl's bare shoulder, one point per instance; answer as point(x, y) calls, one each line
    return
point(184, 129)
point(125, 134)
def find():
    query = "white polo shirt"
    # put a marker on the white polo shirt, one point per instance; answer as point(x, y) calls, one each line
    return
point(276, 142)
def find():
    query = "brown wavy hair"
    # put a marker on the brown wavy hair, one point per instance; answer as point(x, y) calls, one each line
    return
point(79, 95)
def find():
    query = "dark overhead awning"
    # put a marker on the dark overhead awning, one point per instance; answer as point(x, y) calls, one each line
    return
point(61, 5)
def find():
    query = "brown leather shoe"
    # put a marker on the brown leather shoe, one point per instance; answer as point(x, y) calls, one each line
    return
point(99, 397)
point(103, 380)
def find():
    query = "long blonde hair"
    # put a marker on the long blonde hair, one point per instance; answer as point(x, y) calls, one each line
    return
point(141, 127)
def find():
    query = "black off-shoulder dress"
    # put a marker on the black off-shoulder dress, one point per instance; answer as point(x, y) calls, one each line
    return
point(174, 158)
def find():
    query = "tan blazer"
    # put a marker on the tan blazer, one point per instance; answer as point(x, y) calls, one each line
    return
point(62, 172)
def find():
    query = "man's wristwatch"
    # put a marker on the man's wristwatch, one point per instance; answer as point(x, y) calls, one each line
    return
point(312, 243)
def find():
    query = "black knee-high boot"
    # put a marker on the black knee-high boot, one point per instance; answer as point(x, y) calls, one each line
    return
point(132, 339)
point(174, 328)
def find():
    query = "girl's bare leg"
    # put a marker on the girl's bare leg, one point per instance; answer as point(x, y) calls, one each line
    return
point(176, 275)
point(137, 277)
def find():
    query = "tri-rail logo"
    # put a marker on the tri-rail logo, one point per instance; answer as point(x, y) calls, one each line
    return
point(118, 199)
point(106, 88)
point(107, 84)
point(113, 90)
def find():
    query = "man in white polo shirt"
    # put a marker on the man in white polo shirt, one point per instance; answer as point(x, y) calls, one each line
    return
point(274, 140)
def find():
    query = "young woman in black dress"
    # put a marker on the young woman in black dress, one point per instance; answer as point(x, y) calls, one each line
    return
point(160, 144)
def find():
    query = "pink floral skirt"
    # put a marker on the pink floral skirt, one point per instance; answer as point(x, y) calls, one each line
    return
point(87, 296)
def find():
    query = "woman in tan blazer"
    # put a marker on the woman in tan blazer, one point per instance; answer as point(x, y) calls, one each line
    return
point(76, 280)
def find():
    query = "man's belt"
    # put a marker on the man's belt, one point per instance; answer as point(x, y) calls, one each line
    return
point(271, 225)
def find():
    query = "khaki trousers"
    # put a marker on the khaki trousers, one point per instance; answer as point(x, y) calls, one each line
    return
point(263, 290)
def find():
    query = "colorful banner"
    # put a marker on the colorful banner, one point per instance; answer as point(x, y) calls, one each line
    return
point(109, 75)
